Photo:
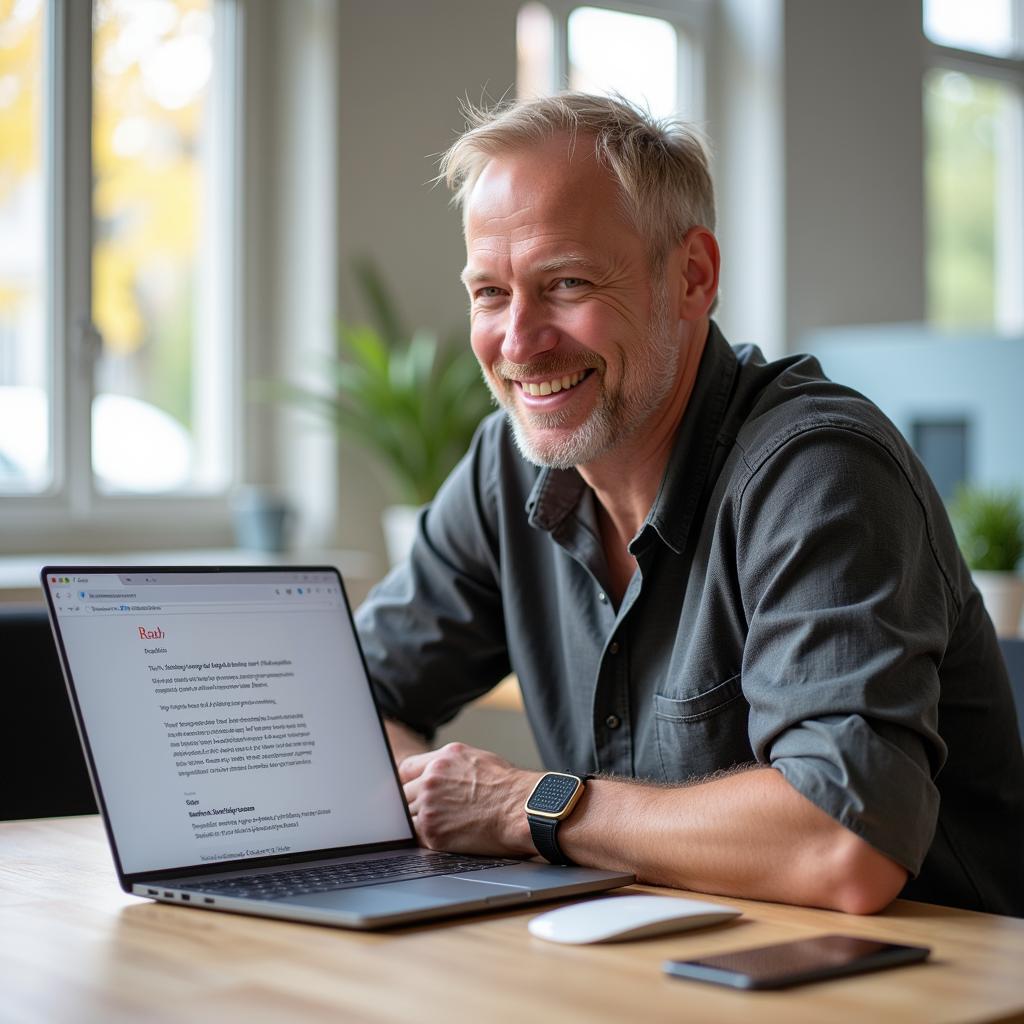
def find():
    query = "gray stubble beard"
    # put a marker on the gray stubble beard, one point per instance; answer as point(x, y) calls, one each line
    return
point(617, 416)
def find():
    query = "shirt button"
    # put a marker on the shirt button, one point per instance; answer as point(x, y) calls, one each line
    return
point(612, 721)
point(613, 647)
point(602, 597)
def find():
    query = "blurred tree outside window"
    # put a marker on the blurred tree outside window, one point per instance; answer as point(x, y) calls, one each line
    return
point(974, 165)
point(152, 71)
point(159, 158)
point(25, 447)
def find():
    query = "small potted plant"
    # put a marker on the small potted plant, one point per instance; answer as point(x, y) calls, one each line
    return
point(406, 397)
point(989, 526)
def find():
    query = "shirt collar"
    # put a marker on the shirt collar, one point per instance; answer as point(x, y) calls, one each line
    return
point(697, 440)
point(558, 491)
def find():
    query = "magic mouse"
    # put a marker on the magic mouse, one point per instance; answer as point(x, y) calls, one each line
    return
point(616, 918)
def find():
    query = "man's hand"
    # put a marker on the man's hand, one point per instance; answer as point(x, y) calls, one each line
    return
point(465, 800)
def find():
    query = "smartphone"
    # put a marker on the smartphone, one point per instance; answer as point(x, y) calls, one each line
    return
point(796, 963)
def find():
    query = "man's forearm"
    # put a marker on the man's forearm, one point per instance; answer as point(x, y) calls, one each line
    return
point(748, 834)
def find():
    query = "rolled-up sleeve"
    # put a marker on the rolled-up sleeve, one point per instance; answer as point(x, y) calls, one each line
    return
point(848, 613)
point(433, 631)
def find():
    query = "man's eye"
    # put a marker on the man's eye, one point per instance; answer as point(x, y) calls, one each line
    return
point(490, 292)
point(571, 282)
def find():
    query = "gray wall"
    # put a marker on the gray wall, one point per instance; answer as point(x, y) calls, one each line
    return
point(403, 67)
point(854, 208)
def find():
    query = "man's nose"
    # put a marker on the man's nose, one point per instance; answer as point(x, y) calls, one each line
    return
point(529, 332)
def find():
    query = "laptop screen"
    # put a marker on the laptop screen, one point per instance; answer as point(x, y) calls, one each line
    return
point(228, 714)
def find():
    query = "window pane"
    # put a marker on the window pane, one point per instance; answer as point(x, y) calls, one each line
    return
point(985, 26)
point(153, 157)
point(614, 52)
point(973, 182)
point(25, 463)
point(535, 52)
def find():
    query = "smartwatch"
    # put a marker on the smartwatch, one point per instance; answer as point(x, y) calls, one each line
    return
point(550, 803)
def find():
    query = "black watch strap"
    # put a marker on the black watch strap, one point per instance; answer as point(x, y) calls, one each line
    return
point(544, 832)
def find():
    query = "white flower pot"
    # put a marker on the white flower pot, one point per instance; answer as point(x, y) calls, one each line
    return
point(1003, 594)
point(399, 523)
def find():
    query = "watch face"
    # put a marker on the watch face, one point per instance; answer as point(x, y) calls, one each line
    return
point(553, 794)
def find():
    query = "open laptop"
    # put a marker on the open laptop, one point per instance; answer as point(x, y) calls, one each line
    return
point(240, 761)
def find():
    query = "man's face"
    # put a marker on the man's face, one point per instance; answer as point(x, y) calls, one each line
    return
point(570, 324)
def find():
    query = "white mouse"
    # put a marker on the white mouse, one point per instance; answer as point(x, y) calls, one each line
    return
point(626, 917)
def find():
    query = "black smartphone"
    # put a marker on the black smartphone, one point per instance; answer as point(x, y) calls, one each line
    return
point(795, 963)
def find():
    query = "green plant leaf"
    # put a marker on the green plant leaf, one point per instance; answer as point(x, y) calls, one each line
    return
point(409, 400)
point(989, 527)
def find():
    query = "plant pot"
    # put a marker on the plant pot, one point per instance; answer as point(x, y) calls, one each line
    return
point(1003, 594)
point(399, 523)
point(262, 519)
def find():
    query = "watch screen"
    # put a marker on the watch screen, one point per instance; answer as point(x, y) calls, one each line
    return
point(553, 792)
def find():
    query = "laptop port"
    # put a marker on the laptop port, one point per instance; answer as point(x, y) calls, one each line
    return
point(152, 892)
point(185, 897)
point(206, 899)
point(169, 895)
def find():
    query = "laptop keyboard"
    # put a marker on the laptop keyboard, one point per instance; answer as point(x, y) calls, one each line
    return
point(326, 878)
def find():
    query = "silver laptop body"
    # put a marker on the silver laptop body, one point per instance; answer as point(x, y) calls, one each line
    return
point(239, 759)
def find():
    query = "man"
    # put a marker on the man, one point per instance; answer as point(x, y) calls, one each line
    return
point(729, 591)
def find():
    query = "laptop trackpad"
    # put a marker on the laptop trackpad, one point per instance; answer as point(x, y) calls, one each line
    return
point(415, 894)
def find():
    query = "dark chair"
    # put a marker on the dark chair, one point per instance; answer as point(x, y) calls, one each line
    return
point(1013, 652)
point(44, 773)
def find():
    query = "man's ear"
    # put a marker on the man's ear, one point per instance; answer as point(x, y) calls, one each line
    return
point(699, 265)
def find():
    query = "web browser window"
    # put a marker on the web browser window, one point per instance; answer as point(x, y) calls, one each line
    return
point(228, 714)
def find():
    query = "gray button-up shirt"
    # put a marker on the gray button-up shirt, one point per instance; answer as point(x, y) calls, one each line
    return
point(800, 601)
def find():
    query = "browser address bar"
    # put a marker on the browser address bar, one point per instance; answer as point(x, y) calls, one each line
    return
point(230, 593)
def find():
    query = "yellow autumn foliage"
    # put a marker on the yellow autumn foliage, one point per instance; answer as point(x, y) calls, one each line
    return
point(145, 198)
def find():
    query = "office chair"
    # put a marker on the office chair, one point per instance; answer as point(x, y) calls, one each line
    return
point(43, 770)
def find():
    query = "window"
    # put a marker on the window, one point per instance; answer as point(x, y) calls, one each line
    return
point(25, 443)
point(974, 164)
point(982, 26)
point(117, 242)
point(653, 61)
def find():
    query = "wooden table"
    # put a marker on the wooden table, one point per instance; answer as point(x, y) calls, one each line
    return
point(75, 948)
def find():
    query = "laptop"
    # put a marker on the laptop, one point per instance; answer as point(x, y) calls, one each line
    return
point(239, 758)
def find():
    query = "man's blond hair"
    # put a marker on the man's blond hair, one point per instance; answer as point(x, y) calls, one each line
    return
point(661, 165)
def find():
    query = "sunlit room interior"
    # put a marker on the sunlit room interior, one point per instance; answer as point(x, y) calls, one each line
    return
point(233, 335)
point(230, 308)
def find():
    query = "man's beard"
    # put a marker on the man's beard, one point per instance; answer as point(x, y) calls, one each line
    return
point(646, 383)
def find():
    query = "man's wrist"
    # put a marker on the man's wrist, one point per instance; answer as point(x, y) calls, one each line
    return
point(517, 829)
point(403, 741)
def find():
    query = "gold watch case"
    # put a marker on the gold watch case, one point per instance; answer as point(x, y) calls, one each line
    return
point(569, 804)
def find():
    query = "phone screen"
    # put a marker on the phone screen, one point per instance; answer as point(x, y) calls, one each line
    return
point(793, 963)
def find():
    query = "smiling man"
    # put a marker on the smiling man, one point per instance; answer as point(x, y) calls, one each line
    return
point(730, 592)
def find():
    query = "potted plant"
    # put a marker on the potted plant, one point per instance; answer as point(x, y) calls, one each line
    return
point(989, 526)
point(407, 398)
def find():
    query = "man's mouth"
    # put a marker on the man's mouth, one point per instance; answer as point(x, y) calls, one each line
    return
point(553, 386)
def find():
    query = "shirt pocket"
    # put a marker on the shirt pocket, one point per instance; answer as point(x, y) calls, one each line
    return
point(702, 734)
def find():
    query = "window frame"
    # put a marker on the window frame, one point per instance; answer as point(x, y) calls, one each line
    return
point(72, 512)
point(1008, 316)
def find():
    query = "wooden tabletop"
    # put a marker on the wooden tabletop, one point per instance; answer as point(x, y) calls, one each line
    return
point(73, 947)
